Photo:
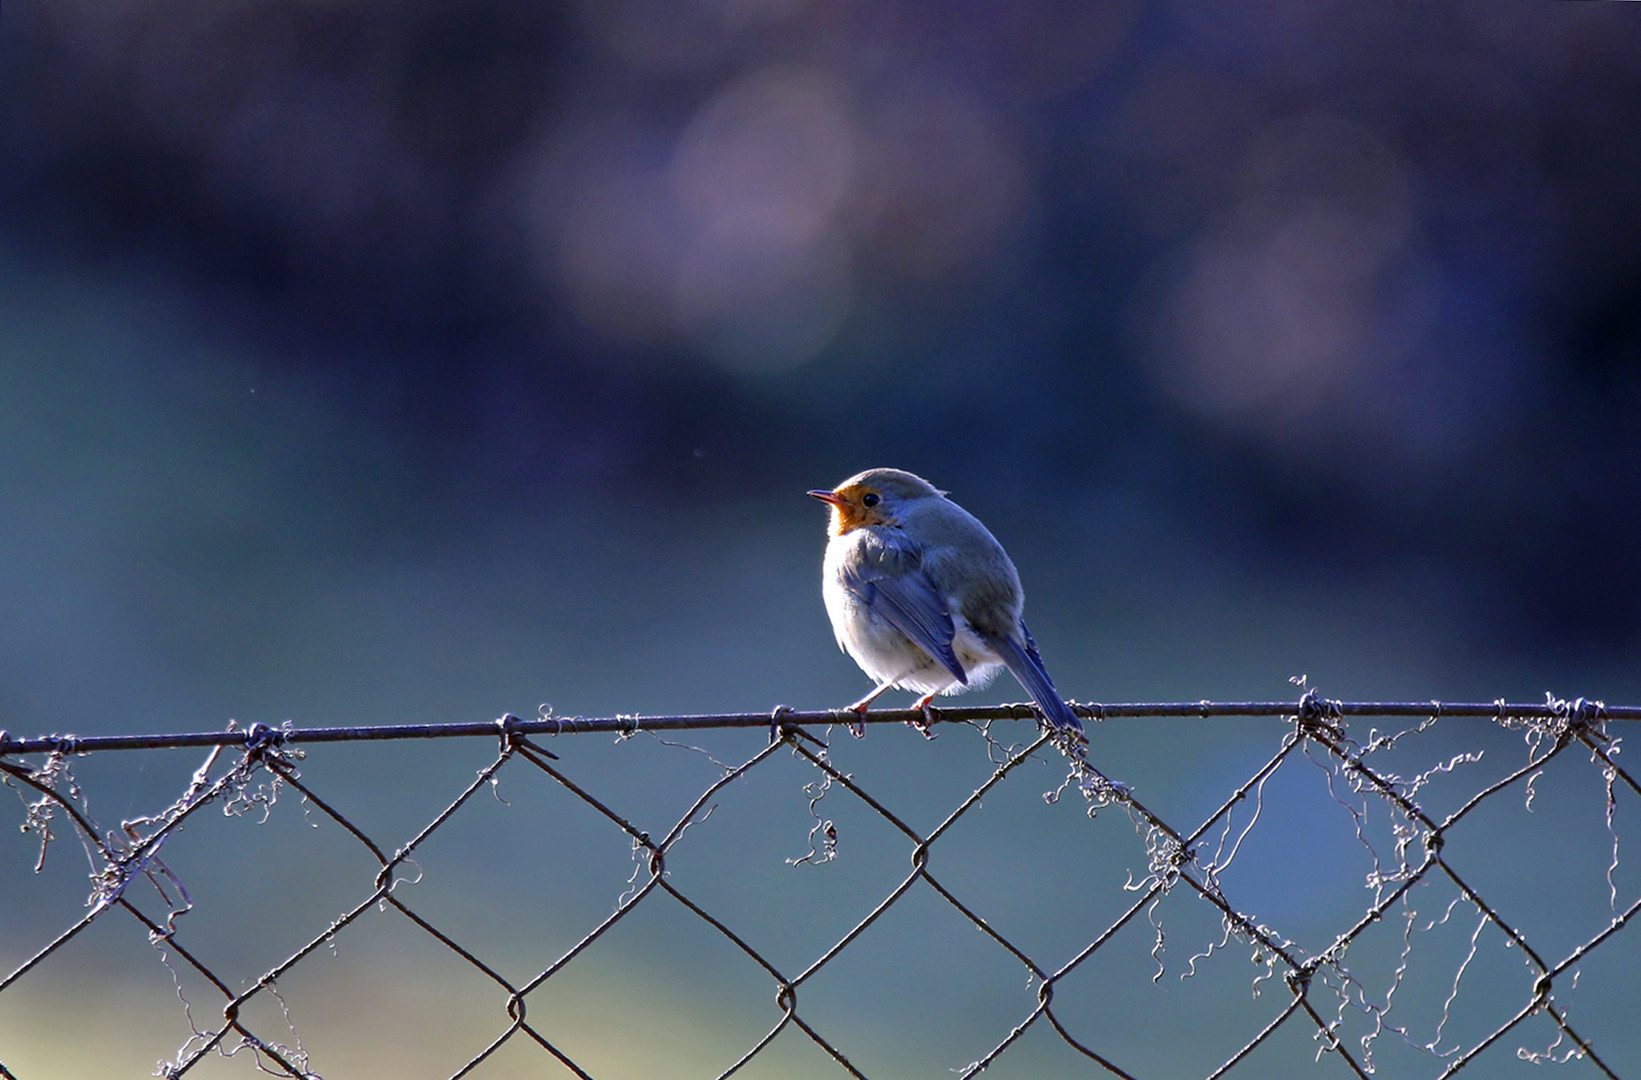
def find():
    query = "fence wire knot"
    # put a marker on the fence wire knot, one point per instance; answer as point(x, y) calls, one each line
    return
point(1318, 716)
point(260, 737)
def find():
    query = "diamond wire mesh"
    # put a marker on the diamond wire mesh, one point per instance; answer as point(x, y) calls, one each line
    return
point(1508, 992)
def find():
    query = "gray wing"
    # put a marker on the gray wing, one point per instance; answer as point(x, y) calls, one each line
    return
point(892, 583)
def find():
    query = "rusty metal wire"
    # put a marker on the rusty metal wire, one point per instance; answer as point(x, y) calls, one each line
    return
point(1348, 1015)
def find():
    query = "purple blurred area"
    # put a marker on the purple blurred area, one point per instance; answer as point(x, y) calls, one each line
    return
point(1327, 288)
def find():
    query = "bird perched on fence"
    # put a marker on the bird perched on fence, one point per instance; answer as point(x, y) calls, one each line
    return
point(922, 596)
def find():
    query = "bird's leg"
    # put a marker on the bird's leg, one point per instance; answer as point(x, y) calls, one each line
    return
point(866, 702)
point(858, 729)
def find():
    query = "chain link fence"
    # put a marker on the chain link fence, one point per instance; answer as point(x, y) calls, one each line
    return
point(1423, 889)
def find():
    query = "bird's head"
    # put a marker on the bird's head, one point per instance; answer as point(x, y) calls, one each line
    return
point(874, 497)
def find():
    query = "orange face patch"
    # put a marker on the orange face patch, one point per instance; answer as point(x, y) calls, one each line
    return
point(854, 507)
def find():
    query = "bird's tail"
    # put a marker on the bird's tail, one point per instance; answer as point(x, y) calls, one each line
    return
point(1022, 659)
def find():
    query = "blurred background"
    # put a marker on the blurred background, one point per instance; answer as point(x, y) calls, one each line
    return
point(366, 361)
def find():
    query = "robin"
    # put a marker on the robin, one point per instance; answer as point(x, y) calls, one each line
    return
point(923, 597)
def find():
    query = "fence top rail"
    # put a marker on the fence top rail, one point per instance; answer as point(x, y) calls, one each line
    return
point(1579, 709)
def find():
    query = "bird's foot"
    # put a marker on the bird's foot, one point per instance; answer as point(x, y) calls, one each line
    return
point(922, 726)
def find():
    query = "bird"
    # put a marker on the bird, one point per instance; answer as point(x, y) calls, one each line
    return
point(923, 597)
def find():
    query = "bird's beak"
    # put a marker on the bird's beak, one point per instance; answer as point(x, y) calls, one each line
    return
point(833, 498)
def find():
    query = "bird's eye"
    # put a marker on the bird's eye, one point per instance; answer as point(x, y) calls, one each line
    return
point(870, 499)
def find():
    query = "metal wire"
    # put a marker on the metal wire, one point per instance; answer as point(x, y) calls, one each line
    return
point(248, 769)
